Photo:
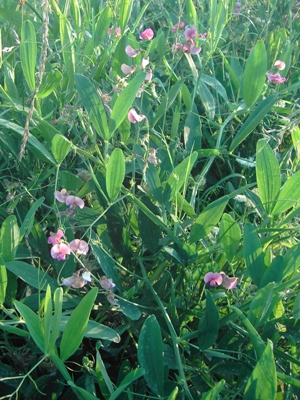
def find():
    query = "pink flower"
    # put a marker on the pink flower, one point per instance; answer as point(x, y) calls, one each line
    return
point(202, 35)
point(131, 52)
point(145, 62)
point(54, 238)
point(79, 247)
point(117, 31)
point(279, 65)
point(276, 78)
point(61, 196)
point(149, 75)
point(107, 283)
point(177, 26)
point(213, 278)
point(111, 299)
point(147, 34)
point(195, 50)
point(74, 201)
point(228, 283)
point(127, 70)
point(134, 117)
point(176, 46)
point(59, 251)
point(190, 33)
point(77, 281)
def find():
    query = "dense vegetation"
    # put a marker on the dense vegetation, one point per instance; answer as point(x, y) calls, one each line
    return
point(149, 203)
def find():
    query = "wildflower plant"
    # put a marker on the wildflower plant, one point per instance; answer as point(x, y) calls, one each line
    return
point(150, 197)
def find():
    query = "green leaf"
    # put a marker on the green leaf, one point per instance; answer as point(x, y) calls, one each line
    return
point(191, 13)
point(262, 305)
point(150, 355)
point(289, 195)
point(255, 74)
point(253, 254)
point(33, 324)
point(124, 102)
point(83, 393)
point(208, 327)
point(262, 383)
point(180, 173)
point(34, 145)
point(208, 219)
point(53, 79)
point(167, 101)
point(229, 236)
point(253, 120)
point(68, 52)
point(213, 394)
point(28, 53)
point(60, 148)
point(58, 301)
point(115, 174)
point(77, 323)
point(130, 310)
point(10, 237)
point(93, 105)
point(129, 378)
point(217, 21)
point(94, 330)
point(296, 307)
point(33, 276)
point(28, 222)
point(3, 281)
point(274, 272)
point(192, 132)
point(102, 25)
point(125, 11)
point(267, 175)
point(150, 232)
point(48, 308)
point(207, 99)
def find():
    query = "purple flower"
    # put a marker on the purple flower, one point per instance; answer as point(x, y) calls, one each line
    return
point(76, 280)
point(190, 33)
point(61, 196)
point(147, 34)
point(213, 278)
point(131, 52)
point(59, 251)
point(111, 299)
point(54, 238)
point(279, 65)
point(228, 283)
point(134, 117)
point(127, 70)
point(107, 283)
point(276, 78)
point(74, 201)
point(177, 26)
point(79, 247)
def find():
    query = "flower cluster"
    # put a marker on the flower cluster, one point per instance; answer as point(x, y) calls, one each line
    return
point(190, 34)
point(217, 279)
point(60, 249)
point(277, 78)
point(72, 201)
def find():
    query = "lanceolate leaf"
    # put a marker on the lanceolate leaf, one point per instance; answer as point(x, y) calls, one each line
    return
point(255, 74)
point(229, 236)
point(60, 147)
point(267, 175)
point(262, 383)
point(28, 52)
point(10, 237)
point(208, 219)
point(124, 102)
point(289, 195)
point(254, 257)
point(150, 354)
point(77, 324)
point(115, 174)
point(209, 325)
point(93, 104)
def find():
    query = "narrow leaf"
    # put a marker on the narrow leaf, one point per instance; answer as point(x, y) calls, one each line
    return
point(289, 195)
point(28, 222)
point(253, 254)
point(10, 238)
point(77, 323)
point(267, 175)
point(229, 236)
point(28, 53)
point(208, 327)
point(208, 219)
point(124, 102)
point(115, 174)
point(150, 354)
point(60, 148)
point(262, 305)
point(255, 74)
point(262, 383)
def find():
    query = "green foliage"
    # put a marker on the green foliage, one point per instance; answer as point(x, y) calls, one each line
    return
point(108, 227)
